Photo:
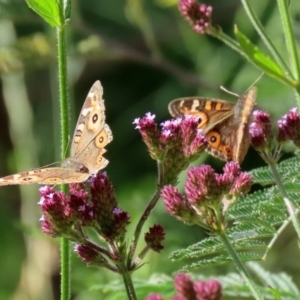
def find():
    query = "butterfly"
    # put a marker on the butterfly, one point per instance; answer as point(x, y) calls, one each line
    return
point(91, 135)
point(225, 124)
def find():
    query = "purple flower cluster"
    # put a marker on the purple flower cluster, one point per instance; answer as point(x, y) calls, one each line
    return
point(67, 215)
point(197, 14)
point(206, 193)
point(177, 143)
point(154, 237)
point(260, 130)
point(186, 289)
point(263, 138)
point(289, 127)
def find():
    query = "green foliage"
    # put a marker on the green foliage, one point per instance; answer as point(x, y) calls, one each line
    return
point(51, 11)
point(255, 218)
point(287, 170)
point(233, 285)
point(257, 57)
point(157, 283)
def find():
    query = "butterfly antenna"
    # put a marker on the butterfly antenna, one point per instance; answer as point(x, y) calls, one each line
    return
point(58, 162)
point(258, 79)
point(234, 94)
point(228, 92)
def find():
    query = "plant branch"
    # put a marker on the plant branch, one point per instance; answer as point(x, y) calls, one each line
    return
point(144, 217)
point(240, 267)
point(262, 33)
point(291, 210)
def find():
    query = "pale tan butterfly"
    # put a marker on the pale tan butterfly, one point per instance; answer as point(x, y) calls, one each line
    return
point(91, 135)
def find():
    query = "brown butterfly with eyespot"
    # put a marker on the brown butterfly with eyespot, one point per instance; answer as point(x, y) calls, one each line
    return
point(91, 135)
point(225, 124)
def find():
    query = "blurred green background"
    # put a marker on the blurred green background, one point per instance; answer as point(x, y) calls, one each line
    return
point(145, 55)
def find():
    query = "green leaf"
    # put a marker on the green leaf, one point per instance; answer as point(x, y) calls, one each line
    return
point(49, 10)
point(257, 57)
point(286, 169)
point(219, 260)
point(254, 221)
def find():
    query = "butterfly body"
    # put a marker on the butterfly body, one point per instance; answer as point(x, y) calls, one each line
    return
point(224, 123)
point(91, 135)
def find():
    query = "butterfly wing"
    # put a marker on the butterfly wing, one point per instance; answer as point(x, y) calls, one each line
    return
point(229, 139)
point(92, 155)
point(210, 111)
point(225, 124)
point(213, 115)
point(90, 137)
point(242, 116)
point(92, 134)
point(91, 120)
point(45, 176)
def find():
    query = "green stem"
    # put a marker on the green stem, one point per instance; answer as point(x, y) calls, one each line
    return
point(290, 44)
point(261, 31)
point(289, 36)
point(240, 267)
point(278, 233)
point(63, 91)
point(291, 210)
point(128, 285)
point(144, 217)
point(219, 34)
point(65, 131)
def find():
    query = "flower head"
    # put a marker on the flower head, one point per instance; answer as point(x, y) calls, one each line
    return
point(207, 195)
point(261, 130)
point(210, 290)
point(177, 205)
point(65, 215)
point(175, 145)
point(184, 286)
point(198, 15)
point(187, 289)
point(55, 220)
point(111, 220)
point(88, 254)
point(154, 237)
point(234, 181)
point(289, 127)
point(150, 134)
point(201, 185)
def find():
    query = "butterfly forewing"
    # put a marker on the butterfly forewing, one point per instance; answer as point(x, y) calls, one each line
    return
point(91, 119)
point(208, 110)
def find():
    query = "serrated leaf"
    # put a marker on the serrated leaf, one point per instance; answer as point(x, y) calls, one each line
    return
point(49, 10)
point(157, 283)
point(280, 283)
point(257, 57)
point(219, 260)
point(286, 169)
point(205, 247)
point(253, 217)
